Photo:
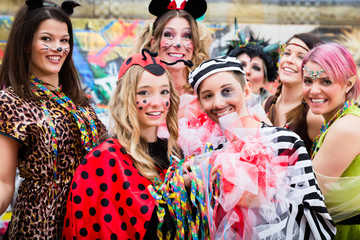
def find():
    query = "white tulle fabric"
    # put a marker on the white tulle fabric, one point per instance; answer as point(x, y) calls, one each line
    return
point(262, 192)
point(195, 128)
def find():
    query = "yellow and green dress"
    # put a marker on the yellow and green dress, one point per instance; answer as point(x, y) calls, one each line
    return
point(342, 196)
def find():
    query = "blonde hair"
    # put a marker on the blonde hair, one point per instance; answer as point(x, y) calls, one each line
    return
point(125, 124)
point(153, 31)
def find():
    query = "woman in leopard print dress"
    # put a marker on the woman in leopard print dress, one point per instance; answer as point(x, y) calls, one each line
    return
point(46, 123)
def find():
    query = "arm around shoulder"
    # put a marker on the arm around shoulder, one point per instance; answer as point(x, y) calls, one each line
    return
point(8, 161)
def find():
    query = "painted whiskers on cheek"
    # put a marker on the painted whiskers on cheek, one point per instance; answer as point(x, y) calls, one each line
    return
point(66, 51)
point(45, 48)
point(188, 47)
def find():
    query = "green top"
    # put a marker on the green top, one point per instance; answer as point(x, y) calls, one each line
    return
point(343, 196)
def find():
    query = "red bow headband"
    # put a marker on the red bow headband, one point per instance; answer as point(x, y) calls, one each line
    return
point(195, 8)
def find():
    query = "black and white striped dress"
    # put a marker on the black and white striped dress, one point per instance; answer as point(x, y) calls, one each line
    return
point(295, 209)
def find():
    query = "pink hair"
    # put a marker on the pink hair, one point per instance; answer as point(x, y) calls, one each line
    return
point(338, 64)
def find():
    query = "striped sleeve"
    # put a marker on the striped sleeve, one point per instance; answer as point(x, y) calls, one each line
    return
point(307, 216)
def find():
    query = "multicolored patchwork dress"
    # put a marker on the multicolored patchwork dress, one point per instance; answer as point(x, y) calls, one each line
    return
point(40, 206)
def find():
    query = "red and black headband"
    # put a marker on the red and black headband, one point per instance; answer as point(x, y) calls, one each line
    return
point(67, 6)
point(150, 61)
point(195, 8)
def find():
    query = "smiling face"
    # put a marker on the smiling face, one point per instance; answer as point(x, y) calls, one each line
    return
point(290, 62)
point(221, 94)
point(254, 69)
point(152, 100)
point(323, 95)
point(46, 57)
point(176, 42)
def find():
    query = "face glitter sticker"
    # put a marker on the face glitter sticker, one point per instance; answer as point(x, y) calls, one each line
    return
point(313, 75)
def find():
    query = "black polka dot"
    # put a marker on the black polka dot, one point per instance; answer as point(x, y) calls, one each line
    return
point(74, 185)
point(146, 224)
point(110, 141)
point(114, 177)
point(126, 185)
point(144, 101)
point(128, 172)
point(117, 197)
point(104, 202)
point(140, 108)
point(133, 221)
point(137, 236)
point(111, 149)
point(112, 162)
point(144, 209)
point(84, 161)
point(83, 232)
point(137, 103)
point(123, 226)
point(129, 202)
point(77, 199)
point(141, 187)
point(96, 227)
point(121, 211)
point(107, 218)
point(128, 61)
point(78, 214)
point(123, 151)
point(92, 211)
point(103, 187)
point(97, 153)
point(99, 172)
point(167, 104)
point(113, 236)
point(126, 162)
point(144, 196)
point(74, 238)
point(84, 175)
point(89, 192)
point(67, 223)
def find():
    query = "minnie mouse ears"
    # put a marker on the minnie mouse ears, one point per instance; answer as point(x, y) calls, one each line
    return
point(67, 6)
point(195, 8)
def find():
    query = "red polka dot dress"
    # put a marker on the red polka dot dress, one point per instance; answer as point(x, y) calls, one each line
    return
point(108, 198)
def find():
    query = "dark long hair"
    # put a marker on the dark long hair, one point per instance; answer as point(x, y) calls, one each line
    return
point(15, 70)
point(296, 113)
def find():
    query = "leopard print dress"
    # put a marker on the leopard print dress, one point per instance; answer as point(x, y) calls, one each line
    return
point(40, 208)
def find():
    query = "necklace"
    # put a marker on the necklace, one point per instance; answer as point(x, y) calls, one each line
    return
point(59, 97)
point(327, 124)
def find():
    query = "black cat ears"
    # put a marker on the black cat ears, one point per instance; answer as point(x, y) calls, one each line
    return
point(67, 6)
point(195, 8)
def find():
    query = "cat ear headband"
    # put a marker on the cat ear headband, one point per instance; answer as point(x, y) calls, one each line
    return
point(67, 6)
point(195, 8)
point(150, 61)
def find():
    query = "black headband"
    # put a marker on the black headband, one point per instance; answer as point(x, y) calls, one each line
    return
point(67, 6)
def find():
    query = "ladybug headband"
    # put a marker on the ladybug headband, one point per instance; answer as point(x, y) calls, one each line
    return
point(195, 8)
point(67, 6)
point(149, 61)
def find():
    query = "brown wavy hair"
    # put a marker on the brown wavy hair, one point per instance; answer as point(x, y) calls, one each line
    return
point(15, 69)
point(201, 38)
point(125, 124)
point(296, 113)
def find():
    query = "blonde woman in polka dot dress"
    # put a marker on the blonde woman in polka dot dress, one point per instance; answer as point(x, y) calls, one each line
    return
point(109, 198)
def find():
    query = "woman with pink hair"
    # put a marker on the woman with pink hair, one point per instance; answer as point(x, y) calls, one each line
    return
point(330, 86)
